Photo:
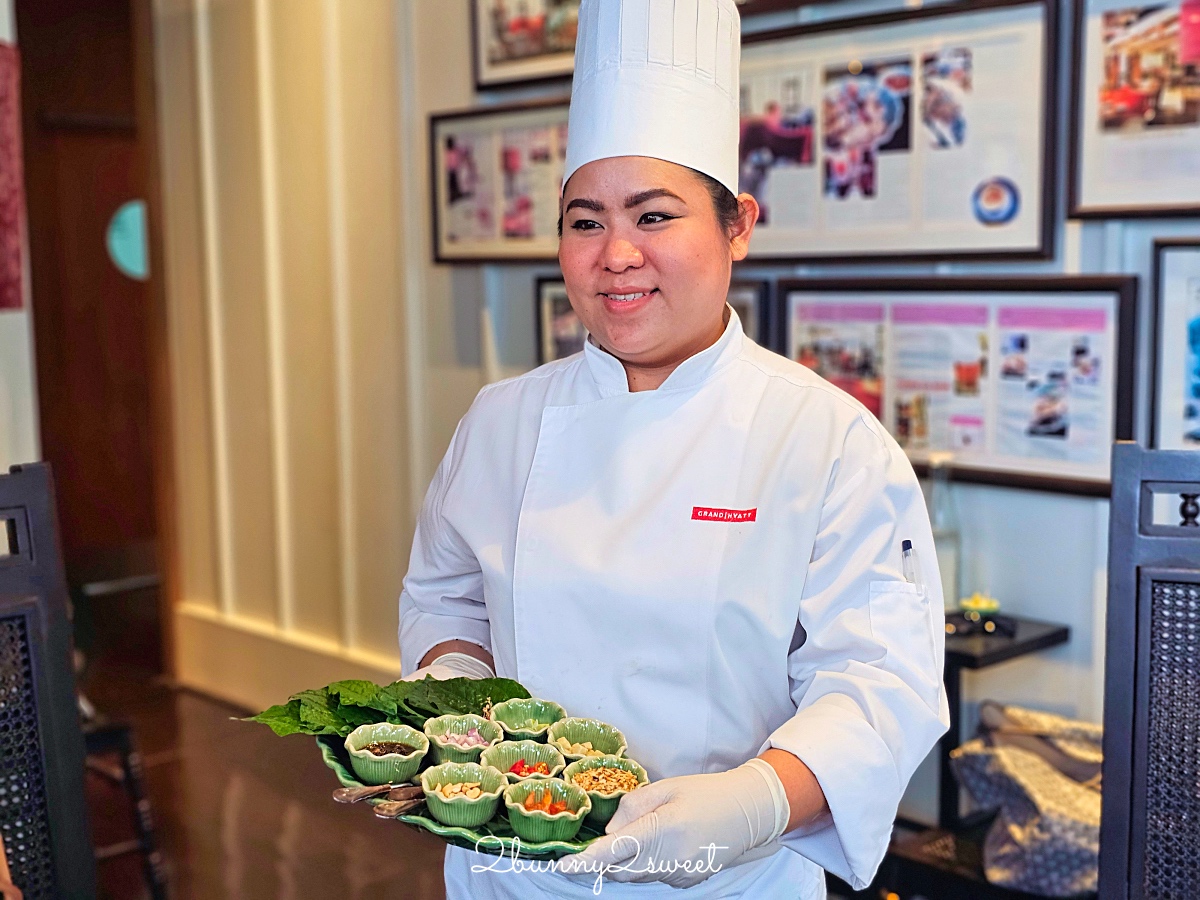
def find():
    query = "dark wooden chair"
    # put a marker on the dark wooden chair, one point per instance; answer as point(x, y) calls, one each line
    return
point(43, 815)
point(1150, 826)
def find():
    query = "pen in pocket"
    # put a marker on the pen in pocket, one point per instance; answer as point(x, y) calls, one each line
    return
point(908, 562)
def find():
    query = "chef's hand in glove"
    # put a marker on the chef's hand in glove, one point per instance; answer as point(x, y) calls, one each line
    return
point(683, 830)
point(452, 665)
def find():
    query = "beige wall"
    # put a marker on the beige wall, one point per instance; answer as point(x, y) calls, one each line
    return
point(315, 370)
point(18, 401)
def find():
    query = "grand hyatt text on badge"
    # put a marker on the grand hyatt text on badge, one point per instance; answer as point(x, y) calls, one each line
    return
point(708, 514)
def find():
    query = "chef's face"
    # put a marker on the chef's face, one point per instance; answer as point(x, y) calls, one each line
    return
point(646, 260)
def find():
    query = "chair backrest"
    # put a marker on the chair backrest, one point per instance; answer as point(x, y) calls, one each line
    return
point(43, 814)
point(1150, 825)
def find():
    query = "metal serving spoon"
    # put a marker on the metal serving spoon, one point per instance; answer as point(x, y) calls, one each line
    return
point(390, 809)
point(354, 795)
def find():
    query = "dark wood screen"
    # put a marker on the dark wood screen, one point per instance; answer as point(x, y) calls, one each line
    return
point(1150, 826)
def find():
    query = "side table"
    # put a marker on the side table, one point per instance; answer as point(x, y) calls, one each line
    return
point(947, 862)
point(978, 651)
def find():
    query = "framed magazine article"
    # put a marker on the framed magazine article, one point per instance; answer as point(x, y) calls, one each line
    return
point(1175, 385)
point(497, 176)
point(1135, 117)
point(918, 134)
point(560, 333)
point(523, 42)
point(1027, 381)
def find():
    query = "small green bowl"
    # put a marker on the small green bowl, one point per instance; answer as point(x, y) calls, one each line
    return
point(392, 768)
point(604, 806)
point(538, 826)
point(512, 714)
point(604, 737)
point(437, 728)
point(463, 812)
point(502, 756)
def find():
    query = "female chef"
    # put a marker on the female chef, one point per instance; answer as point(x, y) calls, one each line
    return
point(679, 532)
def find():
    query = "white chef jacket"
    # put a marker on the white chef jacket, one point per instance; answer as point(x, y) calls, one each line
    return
point(714, 567)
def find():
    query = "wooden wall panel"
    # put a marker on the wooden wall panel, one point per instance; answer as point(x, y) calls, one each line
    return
point(195, 483)
point(243, 413)
point(283, 153)
point(307, 464)
point(379, 517)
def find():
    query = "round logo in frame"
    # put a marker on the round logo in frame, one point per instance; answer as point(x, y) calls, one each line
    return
point(996, 201)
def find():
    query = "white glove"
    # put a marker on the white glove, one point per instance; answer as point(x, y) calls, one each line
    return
point(683, 830)
point(453, 665)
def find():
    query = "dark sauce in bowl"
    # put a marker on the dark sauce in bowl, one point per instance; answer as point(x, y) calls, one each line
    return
point(382, 748)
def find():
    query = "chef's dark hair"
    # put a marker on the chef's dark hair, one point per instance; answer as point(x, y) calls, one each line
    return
point(725, 204)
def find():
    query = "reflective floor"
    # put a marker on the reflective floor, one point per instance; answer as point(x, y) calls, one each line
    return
point(241, 813)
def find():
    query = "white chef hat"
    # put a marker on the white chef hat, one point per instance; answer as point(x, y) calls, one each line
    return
point(657, 78)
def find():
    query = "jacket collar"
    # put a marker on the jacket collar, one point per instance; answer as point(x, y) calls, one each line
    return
point(610, 378)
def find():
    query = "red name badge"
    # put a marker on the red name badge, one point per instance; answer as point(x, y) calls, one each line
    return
point(708, 514)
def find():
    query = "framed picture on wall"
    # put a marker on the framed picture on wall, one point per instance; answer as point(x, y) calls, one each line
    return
point(751, 301)
point(919, 134)
point(1027, 381)
point(1175, 372)
point(1135, 117)
point(560, 333)
point(523, 41)
point(497, 176)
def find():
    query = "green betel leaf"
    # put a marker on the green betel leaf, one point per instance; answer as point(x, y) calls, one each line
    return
point(319, 713)
point(344, 705)
point(456, 696)
point(354, 692)
point(283, 720)
point(363, 695)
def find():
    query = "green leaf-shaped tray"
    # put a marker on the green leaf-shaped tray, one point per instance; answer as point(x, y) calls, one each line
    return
point(495, 837)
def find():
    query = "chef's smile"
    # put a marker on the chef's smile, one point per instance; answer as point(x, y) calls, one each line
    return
point(628, 301)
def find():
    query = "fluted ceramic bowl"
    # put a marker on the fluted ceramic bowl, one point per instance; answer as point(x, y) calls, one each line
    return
point(462, 811)
point(505, 754)
point(391, 768)
point(604, 738)
point(604, 803)
point(527, 719)
point(536, 825)
point(438, 727)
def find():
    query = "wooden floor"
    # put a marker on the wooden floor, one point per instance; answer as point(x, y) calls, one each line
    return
point(240, 812)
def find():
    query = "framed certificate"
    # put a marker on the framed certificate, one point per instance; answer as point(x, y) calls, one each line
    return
point(1135, 117)
point(523, 42)
point(497, 175)
point(1175, 372)
point(918, 134)
point(1026, 381)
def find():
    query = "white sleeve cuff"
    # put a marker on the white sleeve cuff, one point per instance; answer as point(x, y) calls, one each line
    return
point(858, 775)
point(421, 631)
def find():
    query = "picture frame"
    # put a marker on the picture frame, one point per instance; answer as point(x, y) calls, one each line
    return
point(917, 144)
point(1135, 112)
point(511, 50)
point(560, 333)
point(1175, 348)
point(496, 176)
point(1028, 380)
point(751, 299)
